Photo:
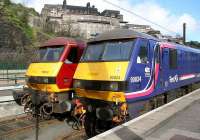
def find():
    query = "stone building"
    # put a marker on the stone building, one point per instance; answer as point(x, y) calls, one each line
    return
point(143, 29)
point(87, 21)
point(177, 39)
point(138, 27)
point(79, 20)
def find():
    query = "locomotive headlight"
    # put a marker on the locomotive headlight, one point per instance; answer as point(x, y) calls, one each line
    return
point(114, 86)
point(77, 84)
point(46, 80)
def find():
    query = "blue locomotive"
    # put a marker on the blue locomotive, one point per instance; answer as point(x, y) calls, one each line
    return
point(123, 74)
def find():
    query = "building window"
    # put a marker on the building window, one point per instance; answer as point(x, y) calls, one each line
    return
point(172, 58)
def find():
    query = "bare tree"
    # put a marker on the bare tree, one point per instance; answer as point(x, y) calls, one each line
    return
point(50, 26)
point(66, 29)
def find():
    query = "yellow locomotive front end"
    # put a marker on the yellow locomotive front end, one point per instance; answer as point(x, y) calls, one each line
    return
point(100, 82)
point(42, 77)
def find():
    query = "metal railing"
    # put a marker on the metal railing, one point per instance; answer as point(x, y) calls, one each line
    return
point(11, 76)
point(12, 66)
point(14, 80)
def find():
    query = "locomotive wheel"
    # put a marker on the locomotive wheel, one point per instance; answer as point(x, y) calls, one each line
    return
point(47, 108)
point(25, 99)
point(90, 125)
point(28, 107)
point(43, 115)
point(76, 125)
point(17, 95)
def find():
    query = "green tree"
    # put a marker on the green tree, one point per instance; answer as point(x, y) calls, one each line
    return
point(194, 44)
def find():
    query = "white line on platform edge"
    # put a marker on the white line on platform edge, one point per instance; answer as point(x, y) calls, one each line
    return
point(11, 87)
point(6, 98)
point(142, 116)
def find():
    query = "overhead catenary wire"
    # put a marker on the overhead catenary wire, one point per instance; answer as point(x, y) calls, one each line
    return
point(139, 16)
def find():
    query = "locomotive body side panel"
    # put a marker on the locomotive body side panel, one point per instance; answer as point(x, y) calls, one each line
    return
point(178, 67)
point(141, 69)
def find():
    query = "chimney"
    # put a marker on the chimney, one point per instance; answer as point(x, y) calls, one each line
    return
point(184, 33)
point(88, 5)
point(88, 8)
point(64, 4)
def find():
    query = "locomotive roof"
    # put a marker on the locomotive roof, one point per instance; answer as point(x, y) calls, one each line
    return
point(62, 41)
point(120, 34)
point(187, 48)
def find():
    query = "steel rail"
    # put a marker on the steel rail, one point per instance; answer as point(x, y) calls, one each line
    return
point(23, 123)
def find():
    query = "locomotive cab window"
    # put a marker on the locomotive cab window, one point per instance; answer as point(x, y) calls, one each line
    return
point(172, 58)
point(50, 53)
point(143, 52)
point(111, 50)
point(72, 56)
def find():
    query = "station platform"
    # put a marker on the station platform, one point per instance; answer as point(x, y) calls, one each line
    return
point(177, 120)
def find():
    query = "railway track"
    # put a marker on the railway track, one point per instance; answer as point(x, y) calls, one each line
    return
point(8, 101)
point(20, 123)
point(76, 135)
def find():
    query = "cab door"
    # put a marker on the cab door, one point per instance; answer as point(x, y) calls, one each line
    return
point(164, 68)
point(143, 66)
point(70, 61)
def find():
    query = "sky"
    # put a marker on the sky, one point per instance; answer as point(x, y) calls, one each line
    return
point(169, 14)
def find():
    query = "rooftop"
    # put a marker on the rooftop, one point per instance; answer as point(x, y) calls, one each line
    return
point(88, 9)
